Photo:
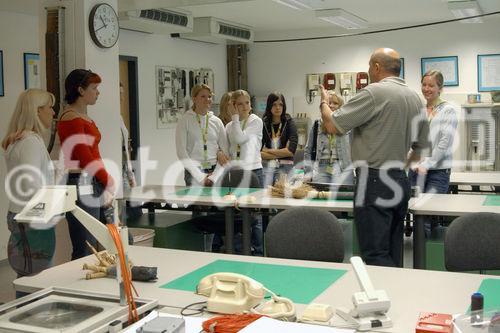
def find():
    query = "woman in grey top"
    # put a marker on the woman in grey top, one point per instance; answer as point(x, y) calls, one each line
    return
point(327, 158)
point(432, 174)
point(30, 248)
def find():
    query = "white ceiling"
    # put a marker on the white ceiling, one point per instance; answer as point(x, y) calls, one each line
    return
point(269, 16)
point(266, 16)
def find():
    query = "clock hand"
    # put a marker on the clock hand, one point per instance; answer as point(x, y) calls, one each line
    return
point(100, 16)
point(104, 26)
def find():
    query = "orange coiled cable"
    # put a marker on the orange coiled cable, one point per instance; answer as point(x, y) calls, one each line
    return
point(126, 276)
point(229, 323)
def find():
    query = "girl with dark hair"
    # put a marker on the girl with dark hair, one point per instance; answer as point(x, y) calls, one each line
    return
point(279, 139)
point(80, 139)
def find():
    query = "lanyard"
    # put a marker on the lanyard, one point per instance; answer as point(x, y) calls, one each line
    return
point(331, 145)
point(204, 137)
point(274, 134)
point(238, 147)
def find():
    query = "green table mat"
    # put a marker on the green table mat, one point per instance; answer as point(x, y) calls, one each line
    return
point(490, 288)
point(218, 191)
point(300, 284)
point(492, 200)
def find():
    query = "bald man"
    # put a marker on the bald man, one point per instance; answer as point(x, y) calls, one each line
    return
point(387, 119)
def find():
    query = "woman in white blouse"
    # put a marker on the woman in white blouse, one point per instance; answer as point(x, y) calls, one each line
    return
point(199, 136)
point(245, 134)
point(30, 249)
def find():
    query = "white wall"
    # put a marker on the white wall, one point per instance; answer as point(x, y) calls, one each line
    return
point(152, 50)
point(13, 49)
point(283, 66)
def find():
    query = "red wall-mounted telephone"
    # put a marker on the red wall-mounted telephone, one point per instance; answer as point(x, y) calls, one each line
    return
point(329, 81)
point(361, 80)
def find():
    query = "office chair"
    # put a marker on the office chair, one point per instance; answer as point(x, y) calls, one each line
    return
point(215, 223)
point(305, 233)
point(471, 243)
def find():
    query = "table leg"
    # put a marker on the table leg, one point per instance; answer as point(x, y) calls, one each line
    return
point(419, 252)
point(229, 221)
point(246, 231)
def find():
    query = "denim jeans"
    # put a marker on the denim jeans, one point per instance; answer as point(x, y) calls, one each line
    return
point(91, 204)
point(380, 224)
point(271, 175)
point(435, 181)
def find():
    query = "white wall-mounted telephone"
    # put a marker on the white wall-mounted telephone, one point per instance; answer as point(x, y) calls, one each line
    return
point(231, 293)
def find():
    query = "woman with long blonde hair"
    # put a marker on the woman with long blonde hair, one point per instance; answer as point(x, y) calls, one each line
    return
point(30, 250)
point(199, 136)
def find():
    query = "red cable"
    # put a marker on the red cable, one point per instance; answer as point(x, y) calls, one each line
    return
point(229, 323)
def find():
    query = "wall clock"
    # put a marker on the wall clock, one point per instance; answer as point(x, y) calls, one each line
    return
point(103, 25)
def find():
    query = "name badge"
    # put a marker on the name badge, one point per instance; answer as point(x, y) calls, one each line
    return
point(85, 190)
point(206, 165)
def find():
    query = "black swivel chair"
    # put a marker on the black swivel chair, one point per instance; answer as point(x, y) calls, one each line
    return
point(305, 233)
point(471, 243)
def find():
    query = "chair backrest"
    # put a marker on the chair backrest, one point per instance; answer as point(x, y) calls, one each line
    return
point(305, 233)
point(471, 243)
point(237, 177)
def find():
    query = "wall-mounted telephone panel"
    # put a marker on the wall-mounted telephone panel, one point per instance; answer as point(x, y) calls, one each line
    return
point(312, 83)
point(345, 84)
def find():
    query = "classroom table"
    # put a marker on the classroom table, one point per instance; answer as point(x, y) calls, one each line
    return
point(185, 198)
point(474, 179)
point(259, 199)
point(263, 200)
point(443, 205)
point(410, 291)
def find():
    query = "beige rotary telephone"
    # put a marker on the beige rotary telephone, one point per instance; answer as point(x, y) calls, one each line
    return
point(235, 293)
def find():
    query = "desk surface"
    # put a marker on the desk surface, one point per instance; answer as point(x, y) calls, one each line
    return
point(264, 200)
point(410, 291)
point(475, 178)
point(167, 194)
point(451, 204)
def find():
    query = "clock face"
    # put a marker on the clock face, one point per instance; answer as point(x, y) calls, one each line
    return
point(103, 25)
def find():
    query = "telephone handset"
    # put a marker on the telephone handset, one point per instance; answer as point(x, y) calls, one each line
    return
point(231, 293)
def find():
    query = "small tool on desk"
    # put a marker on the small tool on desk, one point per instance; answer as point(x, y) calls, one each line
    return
point(370, 305)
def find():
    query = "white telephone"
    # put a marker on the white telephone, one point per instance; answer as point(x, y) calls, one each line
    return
point(231, 293)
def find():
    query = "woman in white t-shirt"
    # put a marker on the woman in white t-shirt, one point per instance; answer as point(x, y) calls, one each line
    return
point(199, 136)
point(31, 247)
point(245, 136)
point(244, 133)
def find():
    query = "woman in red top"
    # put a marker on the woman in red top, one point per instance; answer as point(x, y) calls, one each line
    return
point(80, 139)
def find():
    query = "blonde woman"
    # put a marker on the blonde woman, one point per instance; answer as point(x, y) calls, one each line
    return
point(30, 250)
point(327, 157)
point(199, 136)
point(433, 173)
point(245, 139)
point(224, 113)
point(245, 134)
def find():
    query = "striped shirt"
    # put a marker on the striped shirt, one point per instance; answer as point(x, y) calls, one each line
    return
point(387, 119)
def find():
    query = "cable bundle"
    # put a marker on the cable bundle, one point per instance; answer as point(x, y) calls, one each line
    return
point(126, 276)
point(229, 323)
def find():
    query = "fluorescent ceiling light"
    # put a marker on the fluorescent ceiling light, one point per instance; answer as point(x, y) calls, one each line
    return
point(464, 9)
point(341, 18)
point(295, 4)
